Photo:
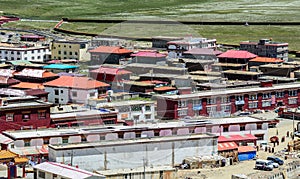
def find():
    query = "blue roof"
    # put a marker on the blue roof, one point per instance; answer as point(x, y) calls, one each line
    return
point(60, 66)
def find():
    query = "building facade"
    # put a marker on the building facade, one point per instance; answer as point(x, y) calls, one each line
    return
point(228, 101)
point(70, 49)
point(34, 54)
point(267, 48)
point(23, 113)
point(118, 154)
point(68, 89)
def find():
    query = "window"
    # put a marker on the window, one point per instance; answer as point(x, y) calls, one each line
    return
point(56, 92)
point(61, 91)
point(253, 97)
point(46, 141)
point(56, 100)
point(74, 93)
point(59, 52)
point(148, 108)
point(258, 126)
point(27, 143)
point(182, 112)
point(26, 117)
point(76, 53)
point(292, 100)
point(148, 116)
point(211, 101)
point(182, 104)
point(70, 46)
point(225, 99)
point(225, 107)
point(70, 53)
point(293, 93)
point(65, 53)
point(242, 128)
point(266, 103)
point(239, 98)
point(32, 58)
point(225, 128)
point(92, 94)
point(124, 109)
point(279, 94)
point(65, 140)
point(266, 95)
point(9, 116)
point(42, 114)
point(41, 174)
point(253, 105)
point(136, 108)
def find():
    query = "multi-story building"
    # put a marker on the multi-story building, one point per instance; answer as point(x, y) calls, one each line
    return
point(131, 111)
point(67, 89)
point(70, 49)
point(23, 113)
point(228, 101)
point(178, 47)
point(23, 52)
point(267, 48)
point(109, 54)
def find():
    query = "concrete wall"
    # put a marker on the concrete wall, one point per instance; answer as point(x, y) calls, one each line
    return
point(131, 155)
point(63, 94)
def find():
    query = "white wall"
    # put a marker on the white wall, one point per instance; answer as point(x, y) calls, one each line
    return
point(124, 156)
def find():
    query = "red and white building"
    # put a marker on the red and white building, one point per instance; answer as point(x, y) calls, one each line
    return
point(228, 101)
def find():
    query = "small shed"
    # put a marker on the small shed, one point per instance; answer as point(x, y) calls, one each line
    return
point(246, 153)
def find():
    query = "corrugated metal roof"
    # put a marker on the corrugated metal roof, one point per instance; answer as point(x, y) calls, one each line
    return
point(227, 146)
point(242, 149)
point(237, 54)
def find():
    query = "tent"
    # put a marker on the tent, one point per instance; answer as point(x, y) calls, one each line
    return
point(246, 153)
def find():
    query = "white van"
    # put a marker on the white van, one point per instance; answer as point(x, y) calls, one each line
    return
point(264, 165)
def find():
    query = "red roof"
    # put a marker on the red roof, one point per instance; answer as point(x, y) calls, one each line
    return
point(111, 71)
point(164, 88)
point(76, 82)
point(266, 60)
point(152, 54)
point(227, 146)
point(237, 54)
point(234, 138)
point(27, 85)
point(110, 49)
point(242, 149)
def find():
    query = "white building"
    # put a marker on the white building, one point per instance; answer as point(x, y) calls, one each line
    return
point(138, 111)
point(50, 170)
point(116, 154)
point(34, 54)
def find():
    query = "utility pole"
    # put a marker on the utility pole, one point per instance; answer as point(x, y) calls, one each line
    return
point(144, 165)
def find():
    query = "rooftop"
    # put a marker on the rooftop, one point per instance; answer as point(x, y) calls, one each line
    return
point(65, 170)
point(131, 141)
point(28, 85)
point(111, 50)
point(266, 60)
point(76, 82)
point(241, 72)
point(37, 73)
point(123, 103)
point(112, 71)
point(234, 91)
point(203, 51)
point(152, 54)
point(278, 66)
point(229, 64)
point(135, 170)
point(60, 66)
point(240, 54)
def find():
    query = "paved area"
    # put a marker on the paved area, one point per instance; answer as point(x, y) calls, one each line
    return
point(247, 167)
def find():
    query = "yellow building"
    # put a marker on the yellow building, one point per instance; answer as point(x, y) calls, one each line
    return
point(70, 49)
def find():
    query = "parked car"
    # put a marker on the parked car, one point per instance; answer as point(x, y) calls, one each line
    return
point(275, 165)
point(276, 159)
point(264, 165)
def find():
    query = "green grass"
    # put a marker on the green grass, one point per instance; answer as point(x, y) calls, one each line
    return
point(223, 34)
point(31, 25)
point(206, 10)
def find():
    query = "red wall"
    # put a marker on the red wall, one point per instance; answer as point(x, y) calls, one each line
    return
point(18, 122)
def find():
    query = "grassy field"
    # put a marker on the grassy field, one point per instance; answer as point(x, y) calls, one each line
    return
point(200, 10)
point(192, 10)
